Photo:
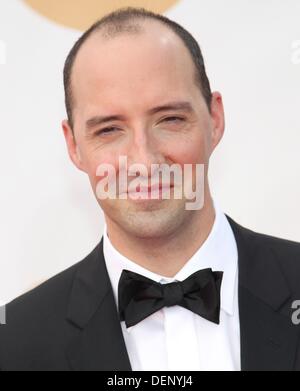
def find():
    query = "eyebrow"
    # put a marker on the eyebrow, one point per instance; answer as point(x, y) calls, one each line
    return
point(174, 106)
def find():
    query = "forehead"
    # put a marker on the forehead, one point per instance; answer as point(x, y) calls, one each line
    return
point(137, 68)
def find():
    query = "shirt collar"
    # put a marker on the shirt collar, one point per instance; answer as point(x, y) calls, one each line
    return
point(218, 252)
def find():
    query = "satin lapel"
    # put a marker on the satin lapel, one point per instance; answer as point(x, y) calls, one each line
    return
point(268, 338)
point(95, 336)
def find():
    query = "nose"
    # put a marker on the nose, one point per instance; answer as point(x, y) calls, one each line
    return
point(145, 149)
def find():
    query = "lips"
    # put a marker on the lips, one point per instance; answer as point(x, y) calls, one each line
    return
point(148, 189)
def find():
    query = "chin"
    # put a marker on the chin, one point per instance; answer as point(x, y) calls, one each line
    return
point(153, 224)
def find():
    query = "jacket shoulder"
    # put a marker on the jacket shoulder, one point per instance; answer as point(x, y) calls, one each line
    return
point(285, 252)
point(35, 322)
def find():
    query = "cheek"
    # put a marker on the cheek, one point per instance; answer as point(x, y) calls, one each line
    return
point(191, 149)
point(93, 159)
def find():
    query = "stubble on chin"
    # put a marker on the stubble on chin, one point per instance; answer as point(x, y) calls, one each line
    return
point(151, 220)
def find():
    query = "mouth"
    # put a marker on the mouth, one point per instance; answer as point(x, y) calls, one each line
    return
point(148, 191)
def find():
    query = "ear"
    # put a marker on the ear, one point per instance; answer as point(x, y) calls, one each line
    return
point(218, 119)
point(73, 149)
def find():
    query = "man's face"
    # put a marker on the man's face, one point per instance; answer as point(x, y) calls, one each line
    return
point(126, 77)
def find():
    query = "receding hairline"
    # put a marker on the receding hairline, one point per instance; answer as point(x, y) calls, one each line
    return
point(130, 28)
point(135, 27)
point(130, 20)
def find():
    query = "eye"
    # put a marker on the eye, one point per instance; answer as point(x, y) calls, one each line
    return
point(173, 119)
point(107, 130)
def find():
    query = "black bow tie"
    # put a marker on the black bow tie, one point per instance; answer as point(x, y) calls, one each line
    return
point(140, 297)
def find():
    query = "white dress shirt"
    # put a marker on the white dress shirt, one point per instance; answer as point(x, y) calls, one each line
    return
point(175, 338)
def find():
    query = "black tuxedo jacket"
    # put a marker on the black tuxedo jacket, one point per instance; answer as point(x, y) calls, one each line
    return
point(71, 322)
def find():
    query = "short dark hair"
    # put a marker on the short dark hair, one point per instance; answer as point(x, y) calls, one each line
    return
point(123, 21)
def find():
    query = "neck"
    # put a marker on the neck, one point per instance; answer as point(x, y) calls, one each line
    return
point(175, 250)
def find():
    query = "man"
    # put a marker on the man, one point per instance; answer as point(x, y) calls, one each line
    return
point(168, 287)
